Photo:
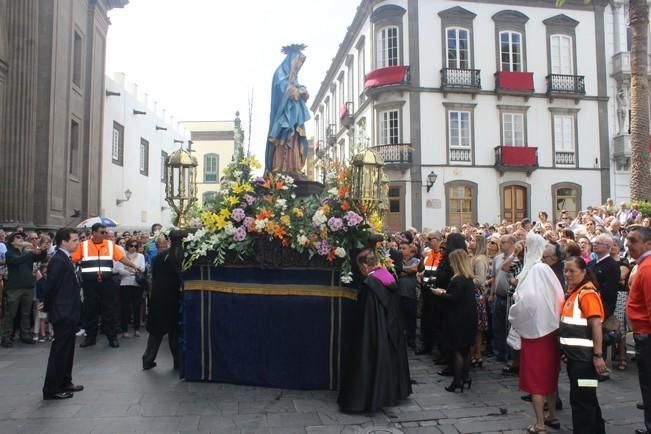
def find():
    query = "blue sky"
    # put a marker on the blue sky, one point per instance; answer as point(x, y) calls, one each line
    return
point(200, 59)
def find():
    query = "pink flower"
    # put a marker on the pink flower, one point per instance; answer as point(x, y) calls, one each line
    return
point(238, 214)
point(352, 218)
point(240, 234)
point(335, 224)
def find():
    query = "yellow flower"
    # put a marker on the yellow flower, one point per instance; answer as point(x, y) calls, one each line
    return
point(220, 221)
point(298, 213)
point(225, 213)
point(376, 223)
point(243, 187)
point(285, 220)
point(232, 200)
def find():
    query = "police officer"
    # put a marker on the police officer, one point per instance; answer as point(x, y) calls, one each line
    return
point(96, 256)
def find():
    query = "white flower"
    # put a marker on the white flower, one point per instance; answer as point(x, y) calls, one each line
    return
point(293, 196)
point(229, 229)
point(340, 252)
point(346, 277)
point(333, 191)
point(281, 203)
point(303, 240)
point(319, 218)
point(237, 174)
point(260, 224)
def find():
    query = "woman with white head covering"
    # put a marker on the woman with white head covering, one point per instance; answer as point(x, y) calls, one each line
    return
point(536, 316)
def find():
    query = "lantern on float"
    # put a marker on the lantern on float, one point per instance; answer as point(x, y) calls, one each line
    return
point(367, 180)
point(181, 184)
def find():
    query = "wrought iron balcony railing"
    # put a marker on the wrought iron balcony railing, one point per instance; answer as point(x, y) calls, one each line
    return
point(565, 158)
point(455, 78)
point(398, 153)
point(460, 155)
point(559, 84)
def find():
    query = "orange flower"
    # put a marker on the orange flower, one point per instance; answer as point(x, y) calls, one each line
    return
point(325, 209)
point(343, 190)
point(279, 185)
point(268, 198)
point(266, 183)
point(345, 206)
point(279, 232)
point(264, 213)
point(341, 176)
point(331, 255)
point(285, 242)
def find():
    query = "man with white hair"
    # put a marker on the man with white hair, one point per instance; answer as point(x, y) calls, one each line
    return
point(606, 271)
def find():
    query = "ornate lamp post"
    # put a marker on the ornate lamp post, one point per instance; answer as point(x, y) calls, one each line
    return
point(181, 184)
point(367, 180)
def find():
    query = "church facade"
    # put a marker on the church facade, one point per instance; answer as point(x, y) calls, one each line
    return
point(482, 110)
point(52, 84)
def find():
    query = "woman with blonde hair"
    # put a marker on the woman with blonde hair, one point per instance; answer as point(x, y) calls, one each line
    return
point(460, 324)
point(480, 266)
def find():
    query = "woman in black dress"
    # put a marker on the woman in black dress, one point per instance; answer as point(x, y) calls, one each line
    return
point(164, 300)
point(460, 320)
point(444, 275)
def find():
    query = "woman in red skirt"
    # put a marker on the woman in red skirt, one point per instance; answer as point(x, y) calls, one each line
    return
point(535, 315)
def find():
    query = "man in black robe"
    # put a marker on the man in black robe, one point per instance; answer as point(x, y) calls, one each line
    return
point(377, 372)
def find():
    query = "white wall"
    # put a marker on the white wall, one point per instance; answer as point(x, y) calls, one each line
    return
point(147, 204)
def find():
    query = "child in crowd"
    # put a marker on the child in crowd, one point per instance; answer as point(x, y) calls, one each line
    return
point(41, 325)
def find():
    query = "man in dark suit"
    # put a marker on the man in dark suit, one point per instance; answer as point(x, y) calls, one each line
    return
point(606, 271)
point(63, 304)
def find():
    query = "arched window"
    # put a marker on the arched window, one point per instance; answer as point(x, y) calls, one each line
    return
point(388, 47)
point(566, 197)
point(211, 168)
point(461, 202)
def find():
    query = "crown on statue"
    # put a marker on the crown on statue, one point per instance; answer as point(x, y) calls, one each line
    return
point(293, 48)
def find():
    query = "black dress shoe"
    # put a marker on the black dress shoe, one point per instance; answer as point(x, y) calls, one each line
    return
point(526, 398)
point(6, 343)
point(87, 343)
point(60, 395)
point(147, 366)
point(447, 372)
point(73, 388)
point(641, 431)
point(114, 343)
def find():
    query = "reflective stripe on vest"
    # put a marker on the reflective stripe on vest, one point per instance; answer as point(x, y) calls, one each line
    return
point(93, 266)
point(576, 335)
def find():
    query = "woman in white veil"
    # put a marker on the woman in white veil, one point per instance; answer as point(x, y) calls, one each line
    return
point(535, 315)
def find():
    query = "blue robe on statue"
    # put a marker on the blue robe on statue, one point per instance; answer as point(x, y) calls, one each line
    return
point(286, 142)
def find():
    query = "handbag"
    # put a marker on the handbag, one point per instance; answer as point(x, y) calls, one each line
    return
point(141, 279)
point(513, 339)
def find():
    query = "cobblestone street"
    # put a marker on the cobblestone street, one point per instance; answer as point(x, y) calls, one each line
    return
point(121, 398)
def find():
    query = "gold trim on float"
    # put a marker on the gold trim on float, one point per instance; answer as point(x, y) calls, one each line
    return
point(237, 288)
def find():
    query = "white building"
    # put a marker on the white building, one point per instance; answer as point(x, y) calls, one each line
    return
point(505, 101)
point(213, 145)
point(138, 136)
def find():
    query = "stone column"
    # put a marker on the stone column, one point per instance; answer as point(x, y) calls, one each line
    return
point(17, 140)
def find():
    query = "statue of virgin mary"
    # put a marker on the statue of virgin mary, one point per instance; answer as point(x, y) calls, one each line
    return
point(286, 142)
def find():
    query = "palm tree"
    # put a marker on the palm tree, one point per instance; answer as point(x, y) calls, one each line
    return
point(640, 171)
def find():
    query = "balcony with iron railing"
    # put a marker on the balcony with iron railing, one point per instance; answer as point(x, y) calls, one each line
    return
point(562, 85)
point(347, 114)
point(460, 80)
point(395, 154)
point(516, 159)
point(391, 78)
point(514, 83)
point(331, 134)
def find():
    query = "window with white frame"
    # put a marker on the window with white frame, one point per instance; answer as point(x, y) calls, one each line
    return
point(458, 48)
point(562, 58)
point(117, 145)
point(144, 157)
point(387, 47)
point(350, 76)
point(210, 168)
point(511, 51)
point(513, 129)
point(390, 127)
point(459, 134)
point(564, 139)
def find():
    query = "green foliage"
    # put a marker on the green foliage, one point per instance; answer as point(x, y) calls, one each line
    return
point(644, 207)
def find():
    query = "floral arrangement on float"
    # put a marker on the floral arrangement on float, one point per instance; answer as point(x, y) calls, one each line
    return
point(251, 211)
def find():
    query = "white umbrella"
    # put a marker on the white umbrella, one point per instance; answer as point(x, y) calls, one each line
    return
point(106, 221)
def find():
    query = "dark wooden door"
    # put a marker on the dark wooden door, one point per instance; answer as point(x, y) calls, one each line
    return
point(396, 214)
point(514, 207)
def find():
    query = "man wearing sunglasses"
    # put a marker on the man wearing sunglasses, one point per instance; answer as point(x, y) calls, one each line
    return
point(96, 256)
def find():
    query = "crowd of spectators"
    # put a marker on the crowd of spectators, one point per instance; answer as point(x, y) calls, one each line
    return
point(582, 252)
point(24, 255)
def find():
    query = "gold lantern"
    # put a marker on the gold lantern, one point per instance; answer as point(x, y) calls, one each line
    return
point(181, 184)
point(367, 180)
